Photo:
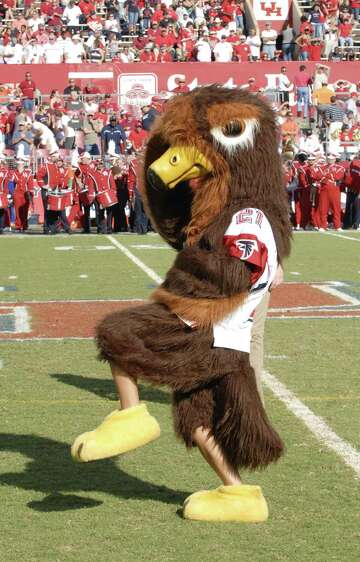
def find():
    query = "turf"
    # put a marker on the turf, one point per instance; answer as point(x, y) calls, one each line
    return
point(127, 509)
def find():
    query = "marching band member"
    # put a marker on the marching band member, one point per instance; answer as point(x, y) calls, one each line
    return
point(85, 188)
point(302, 194)
point(23, 194)
point(47, 177)
point(329, 175)
point(64, 178)
point(4, 194)
point(106, 198)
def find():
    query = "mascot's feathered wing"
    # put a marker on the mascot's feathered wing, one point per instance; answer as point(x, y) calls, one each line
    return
point(213, 186)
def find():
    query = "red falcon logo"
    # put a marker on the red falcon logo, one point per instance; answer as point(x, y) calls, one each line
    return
point(246, 248)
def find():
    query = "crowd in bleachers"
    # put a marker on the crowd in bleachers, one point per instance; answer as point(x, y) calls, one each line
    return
point(76, 123)
point(71, 31)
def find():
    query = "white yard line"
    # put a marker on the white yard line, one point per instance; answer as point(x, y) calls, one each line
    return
point(149, 272)
point(314, 423)
point(39, 340)
point(342, 236)
point(3, 304)
point(337, 293)
point(314, 317)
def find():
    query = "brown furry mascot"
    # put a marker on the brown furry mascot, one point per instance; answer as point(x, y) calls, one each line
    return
point(213, 188)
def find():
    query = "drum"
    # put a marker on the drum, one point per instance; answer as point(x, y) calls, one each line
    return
point(69, 198)
point(106, 199)
point(56, 202)
point(4, 201)
point(86, 198)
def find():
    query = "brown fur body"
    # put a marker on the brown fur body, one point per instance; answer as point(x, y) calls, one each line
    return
point(212, 387)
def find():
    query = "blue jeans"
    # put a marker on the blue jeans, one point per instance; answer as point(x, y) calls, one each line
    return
point(303, 96)
point(356, 13)
point(269, 50)
point(343, 41)
point(318, 30)
point(287, 49)
point(239, 22)
point(28, 104)
point(304, 55)
point(92, 149)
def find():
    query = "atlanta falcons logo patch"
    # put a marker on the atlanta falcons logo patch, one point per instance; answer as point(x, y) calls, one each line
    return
point(246, 248)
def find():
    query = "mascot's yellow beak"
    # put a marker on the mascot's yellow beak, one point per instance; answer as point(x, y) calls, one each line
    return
point(177, 164)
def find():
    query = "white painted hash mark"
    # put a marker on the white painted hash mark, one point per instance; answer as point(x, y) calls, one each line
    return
point(314, 423)
point(64, 248)
point(12, 277)
point(149, 272)
point(294, 273)
point(22, 320)
point(83, 276)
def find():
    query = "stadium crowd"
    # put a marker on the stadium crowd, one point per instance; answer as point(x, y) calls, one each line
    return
point(79, 152)
point(72, 31)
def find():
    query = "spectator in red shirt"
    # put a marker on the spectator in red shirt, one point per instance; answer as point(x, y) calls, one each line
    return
point(27, 88)
point(345, 31)
point(302, 83)
point(242, 50)
point(138, 136)
point(87, 8)
point(164, 54)
point(181, 87)
point(315, 49)
point(147, 54)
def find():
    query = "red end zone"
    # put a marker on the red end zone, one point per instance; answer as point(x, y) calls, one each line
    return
point(77, 319)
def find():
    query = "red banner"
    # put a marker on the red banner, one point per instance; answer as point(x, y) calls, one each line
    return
point(137, 82)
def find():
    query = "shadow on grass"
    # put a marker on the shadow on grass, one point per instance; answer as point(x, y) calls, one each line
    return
point(105, 388)
point(53, 472)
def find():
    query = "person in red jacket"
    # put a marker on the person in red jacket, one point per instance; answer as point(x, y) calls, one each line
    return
point(138, 136)
point(4, 194)
point(103, 181)
point(302, 194)
point(84, 185)
point(47, 179)
point(23, 194)
point(329, 177)
point(352, 211)
point(314, 173)
point(64, 180)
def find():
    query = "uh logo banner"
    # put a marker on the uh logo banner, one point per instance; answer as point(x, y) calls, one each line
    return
point(266, 10)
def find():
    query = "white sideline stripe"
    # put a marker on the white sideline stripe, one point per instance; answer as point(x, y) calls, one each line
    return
point(22, 320)
point(336, 293)
point(149, 272)
point(149, 247)
point(314, 423)
point(342, 236)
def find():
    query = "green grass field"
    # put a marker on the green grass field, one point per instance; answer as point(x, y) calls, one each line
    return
point(127, 509)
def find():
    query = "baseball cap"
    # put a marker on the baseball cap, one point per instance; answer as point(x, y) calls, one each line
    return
point(86, 155)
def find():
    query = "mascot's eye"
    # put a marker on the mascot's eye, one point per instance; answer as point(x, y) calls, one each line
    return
point(236, 134)
point(233, 129)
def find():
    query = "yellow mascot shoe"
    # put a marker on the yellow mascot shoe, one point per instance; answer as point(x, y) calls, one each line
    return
point(227, 503)
point(120, 432)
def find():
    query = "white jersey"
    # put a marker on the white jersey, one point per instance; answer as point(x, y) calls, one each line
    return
point(249, 238)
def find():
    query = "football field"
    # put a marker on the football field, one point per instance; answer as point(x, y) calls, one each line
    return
point(53, 291)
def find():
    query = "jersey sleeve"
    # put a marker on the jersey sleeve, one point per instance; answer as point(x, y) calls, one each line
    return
point(245, 241)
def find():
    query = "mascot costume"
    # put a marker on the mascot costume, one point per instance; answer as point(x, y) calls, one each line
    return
point(213, 187)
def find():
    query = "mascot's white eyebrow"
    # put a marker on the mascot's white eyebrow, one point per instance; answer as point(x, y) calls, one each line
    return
point(243, 140)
